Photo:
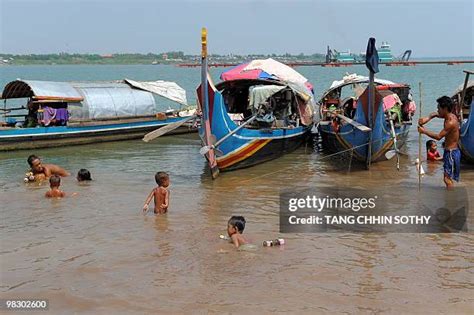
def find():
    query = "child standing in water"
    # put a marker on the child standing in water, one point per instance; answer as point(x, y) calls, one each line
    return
point(160, 194)
point(54, 183)
point(432, 153)
point(235, 228)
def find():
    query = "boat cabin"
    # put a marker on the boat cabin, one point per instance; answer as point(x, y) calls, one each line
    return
point(463, 110)
point(47, 104)
point(342, 98)
point(276, 104)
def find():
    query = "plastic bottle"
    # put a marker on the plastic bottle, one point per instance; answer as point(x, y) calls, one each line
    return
point(277, 242)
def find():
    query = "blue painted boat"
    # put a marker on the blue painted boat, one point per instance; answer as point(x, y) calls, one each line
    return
point(463, 98)
point(71, 113)
point(344, 124)
point(261, 110)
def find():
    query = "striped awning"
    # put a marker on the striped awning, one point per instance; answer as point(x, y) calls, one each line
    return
point(41, 90)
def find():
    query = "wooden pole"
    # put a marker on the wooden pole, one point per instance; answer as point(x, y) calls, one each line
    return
point(205, 106)
point(370, 113)
point(420, 137)
point(463, 96)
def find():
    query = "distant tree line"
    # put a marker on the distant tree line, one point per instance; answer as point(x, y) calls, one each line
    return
point(136, 58)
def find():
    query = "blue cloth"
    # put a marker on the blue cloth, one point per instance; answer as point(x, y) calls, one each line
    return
point(452, 163)
point(372, 56)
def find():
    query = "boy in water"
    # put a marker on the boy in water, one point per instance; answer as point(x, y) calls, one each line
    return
point(54, 183)
point(452, 154)
point(235, 228)
point(160, 194)
point(432, 153)
point(43, 171)
point(83, 175)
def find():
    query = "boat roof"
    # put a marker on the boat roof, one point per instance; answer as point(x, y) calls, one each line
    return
point(355, 79)
point(268, 69)
point(470, 84)
point(96, 100)
point(74, 91)
point(41, 90)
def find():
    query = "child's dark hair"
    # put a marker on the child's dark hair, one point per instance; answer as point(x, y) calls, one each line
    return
point(238, 222)
point(445, 102)
point(55, 180)
point(160, 178)
point(31, 158)
point(83, 174)
point(429, 143)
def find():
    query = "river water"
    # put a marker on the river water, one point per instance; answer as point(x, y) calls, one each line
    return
point(97, 253)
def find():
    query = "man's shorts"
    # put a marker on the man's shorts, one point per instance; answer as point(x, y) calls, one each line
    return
point(452, 163)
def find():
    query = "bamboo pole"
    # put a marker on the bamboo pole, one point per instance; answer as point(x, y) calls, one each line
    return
point(420, 136)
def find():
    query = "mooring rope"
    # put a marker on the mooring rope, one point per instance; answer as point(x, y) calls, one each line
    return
point(317, 159)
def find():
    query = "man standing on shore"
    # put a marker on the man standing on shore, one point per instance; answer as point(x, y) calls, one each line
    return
point(452, 154)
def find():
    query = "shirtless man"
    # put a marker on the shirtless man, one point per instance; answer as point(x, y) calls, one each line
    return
point(452, 154)
point(43, 171)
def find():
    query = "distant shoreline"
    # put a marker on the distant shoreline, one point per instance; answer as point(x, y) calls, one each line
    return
point(171, 58)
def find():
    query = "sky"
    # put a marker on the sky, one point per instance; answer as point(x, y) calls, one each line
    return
point(430, 28)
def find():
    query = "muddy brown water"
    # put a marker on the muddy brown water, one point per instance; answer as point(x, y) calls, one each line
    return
point(96, 253)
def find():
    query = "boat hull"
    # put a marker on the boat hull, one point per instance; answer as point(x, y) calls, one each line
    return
point(354, 141)
point(248, 147)
point(466, 142)
point(260, 150)
point(47, 137)
point(351, 139)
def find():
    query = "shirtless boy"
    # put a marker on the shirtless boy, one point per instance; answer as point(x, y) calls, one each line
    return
point(160, 194)
point(54, 183)
point(452, 154)
point(235, 228)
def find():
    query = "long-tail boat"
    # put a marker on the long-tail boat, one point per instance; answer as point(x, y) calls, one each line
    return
point(464, 100)
point(367, 117)
point(69, 113)
point(261, 110)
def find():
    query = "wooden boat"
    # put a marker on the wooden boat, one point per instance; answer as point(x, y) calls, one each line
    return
point(71, 113)
point(463, 98)
point(344, 120)
point(260, 111)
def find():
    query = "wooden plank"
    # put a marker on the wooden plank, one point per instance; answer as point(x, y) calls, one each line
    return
point(354, 123)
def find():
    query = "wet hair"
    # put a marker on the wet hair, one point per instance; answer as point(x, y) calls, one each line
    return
point(83, 174)
point(238, 222)
point(55, 181)
point(31, 158)
point(429, 143)
point(160, 178)
point(445, 102)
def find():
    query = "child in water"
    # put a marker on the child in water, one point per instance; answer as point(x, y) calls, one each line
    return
point(432, 153)
point(54, 183)
point(235, 228)
point(160, 194)
point(83, 175)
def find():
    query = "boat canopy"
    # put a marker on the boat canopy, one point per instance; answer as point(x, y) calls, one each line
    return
point(470, 84)
point(97, 100)
point(41, 90)
point(354, 79)
point(268, 69)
